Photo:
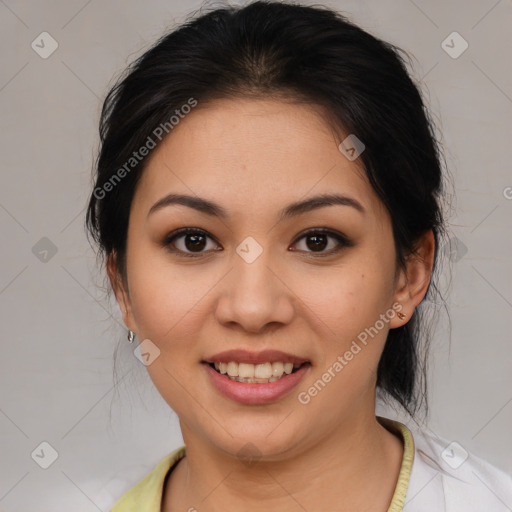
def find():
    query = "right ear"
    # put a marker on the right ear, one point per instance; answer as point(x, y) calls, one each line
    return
point(120, 290)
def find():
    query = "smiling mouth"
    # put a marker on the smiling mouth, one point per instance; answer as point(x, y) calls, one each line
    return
point(263, 373)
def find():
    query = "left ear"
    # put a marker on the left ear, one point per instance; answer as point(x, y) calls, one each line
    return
point(412, 283)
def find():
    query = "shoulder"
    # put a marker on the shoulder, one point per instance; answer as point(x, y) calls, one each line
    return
point(146, 494)
point(447, 478)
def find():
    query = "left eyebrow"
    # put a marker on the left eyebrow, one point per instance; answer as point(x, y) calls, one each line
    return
point(292, 210)
point(321, 201)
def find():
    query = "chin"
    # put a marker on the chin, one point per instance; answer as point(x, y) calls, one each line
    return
point(252, 439)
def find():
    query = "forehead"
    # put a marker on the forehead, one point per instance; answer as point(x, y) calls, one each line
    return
point(253, 152)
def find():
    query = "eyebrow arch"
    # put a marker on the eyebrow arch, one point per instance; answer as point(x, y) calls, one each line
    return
point(292, 210)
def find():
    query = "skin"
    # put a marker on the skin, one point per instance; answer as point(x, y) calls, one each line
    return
point(254, 157)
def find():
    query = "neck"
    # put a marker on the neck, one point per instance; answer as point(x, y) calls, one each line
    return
point(355, 468)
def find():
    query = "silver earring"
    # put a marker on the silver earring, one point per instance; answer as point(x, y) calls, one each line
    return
point(131, 335)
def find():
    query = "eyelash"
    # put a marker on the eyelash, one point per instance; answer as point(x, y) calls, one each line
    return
point(340, 238)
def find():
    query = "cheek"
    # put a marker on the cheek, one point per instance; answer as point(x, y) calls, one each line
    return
point(348, 297)
point(165, 297)
point(350, 337)
point(168, 305)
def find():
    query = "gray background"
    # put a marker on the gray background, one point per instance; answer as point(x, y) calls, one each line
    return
point(58, 335)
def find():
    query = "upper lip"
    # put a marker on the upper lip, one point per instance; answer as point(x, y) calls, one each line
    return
point(245, 356)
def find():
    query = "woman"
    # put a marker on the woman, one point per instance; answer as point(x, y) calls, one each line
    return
point(268, 203)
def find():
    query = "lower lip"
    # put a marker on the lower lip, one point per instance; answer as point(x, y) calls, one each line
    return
point(254, 394)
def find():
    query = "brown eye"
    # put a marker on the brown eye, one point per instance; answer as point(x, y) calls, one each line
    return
point(316, 241)
point(187, 241)
point(195, 242)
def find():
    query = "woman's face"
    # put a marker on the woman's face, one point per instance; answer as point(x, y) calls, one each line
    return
point(253, 281)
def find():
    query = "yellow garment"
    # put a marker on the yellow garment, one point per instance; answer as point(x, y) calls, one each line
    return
point(146, 496)
point(398, 500)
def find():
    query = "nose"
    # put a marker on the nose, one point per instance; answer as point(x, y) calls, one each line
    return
point(254, 296)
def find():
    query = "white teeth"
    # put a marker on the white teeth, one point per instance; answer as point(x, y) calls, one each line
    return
point(263, 371)
point(277, 369)
point(232, 369)
point(260, 373)
point(246, 371)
